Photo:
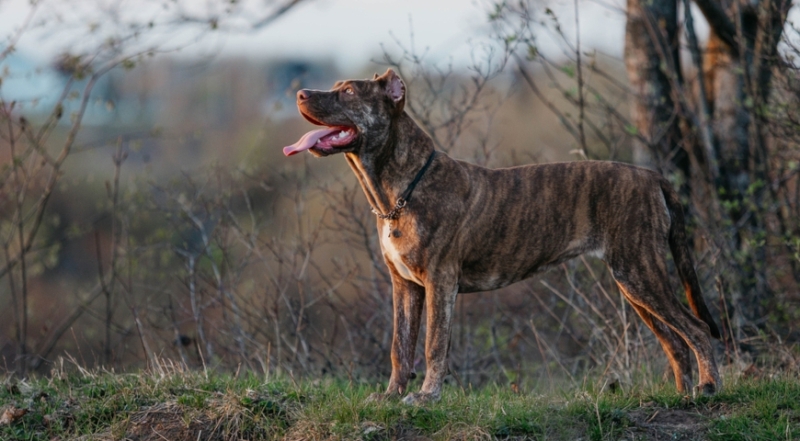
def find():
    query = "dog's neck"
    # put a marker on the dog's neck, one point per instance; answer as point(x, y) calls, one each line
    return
point(385, 172)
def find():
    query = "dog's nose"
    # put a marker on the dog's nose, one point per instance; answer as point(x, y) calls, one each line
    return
point(302, 95)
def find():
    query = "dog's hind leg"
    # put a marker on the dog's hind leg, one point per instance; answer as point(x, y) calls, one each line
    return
point(677, 350)
point(440, 299)
point(646, 285)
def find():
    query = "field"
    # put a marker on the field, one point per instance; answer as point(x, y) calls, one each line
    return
point(169, 403)
point(203, 286)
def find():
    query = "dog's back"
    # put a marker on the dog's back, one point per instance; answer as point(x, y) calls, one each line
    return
point(535, 216)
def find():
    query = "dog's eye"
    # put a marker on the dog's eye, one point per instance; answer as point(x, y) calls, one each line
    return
point(348, 90)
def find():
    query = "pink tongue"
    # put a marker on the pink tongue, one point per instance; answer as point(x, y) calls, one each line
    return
point(307, 141)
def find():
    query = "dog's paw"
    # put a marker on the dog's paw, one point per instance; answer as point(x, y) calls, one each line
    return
point(420, 398)
point(393, 391)
point(706, 390)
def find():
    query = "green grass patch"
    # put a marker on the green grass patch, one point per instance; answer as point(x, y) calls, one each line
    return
point(187, 405)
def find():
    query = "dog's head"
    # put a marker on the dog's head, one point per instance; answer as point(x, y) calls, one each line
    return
point(357, 115)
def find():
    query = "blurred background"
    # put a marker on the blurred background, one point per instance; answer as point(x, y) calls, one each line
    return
point(147, 212)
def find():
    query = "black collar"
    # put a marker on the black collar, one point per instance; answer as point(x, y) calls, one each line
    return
point(406, 196)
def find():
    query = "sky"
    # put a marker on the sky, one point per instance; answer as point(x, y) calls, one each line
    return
point(349, 32)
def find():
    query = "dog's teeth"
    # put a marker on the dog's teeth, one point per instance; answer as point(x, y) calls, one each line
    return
point(342, 134)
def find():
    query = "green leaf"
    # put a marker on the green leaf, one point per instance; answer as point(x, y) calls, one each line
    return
point(533, 52)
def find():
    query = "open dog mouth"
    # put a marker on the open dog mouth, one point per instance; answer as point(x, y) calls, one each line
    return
point(323, 140)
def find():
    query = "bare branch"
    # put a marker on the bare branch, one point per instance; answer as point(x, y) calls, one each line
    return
point(704, 117)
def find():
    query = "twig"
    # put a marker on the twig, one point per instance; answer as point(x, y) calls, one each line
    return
point(550, 350)
point(704, 117)
point(579, 68)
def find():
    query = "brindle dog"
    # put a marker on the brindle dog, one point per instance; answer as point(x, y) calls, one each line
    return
point(449, 227)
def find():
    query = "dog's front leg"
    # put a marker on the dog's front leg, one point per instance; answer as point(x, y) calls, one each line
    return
point(407, 300)
point(440, 298)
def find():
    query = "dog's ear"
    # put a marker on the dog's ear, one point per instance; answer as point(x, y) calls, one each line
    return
point(395, 88)
point(375, 77)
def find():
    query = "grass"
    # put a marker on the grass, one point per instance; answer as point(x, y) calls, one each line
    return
point(175, 405)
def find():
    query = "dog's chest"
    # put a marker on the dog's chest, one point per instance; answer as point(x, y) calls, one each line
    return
point(394, 254)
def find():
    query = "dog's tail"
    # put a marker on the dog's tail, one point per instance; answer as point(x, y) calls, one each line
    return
point(678, 243)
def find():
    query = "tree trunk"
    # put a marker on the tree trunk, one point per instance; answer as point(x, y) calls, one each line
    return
point(732, 125)
point(653, 64)
point(737, 72)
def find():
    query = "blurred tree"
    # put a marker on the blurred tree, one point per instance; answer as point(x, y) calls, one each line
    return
point(712, 134)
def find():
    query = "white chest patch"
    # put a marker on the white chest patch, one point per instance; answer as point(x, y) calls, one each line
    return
point(577, 244)
point(600, 253)
point(393, 254)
